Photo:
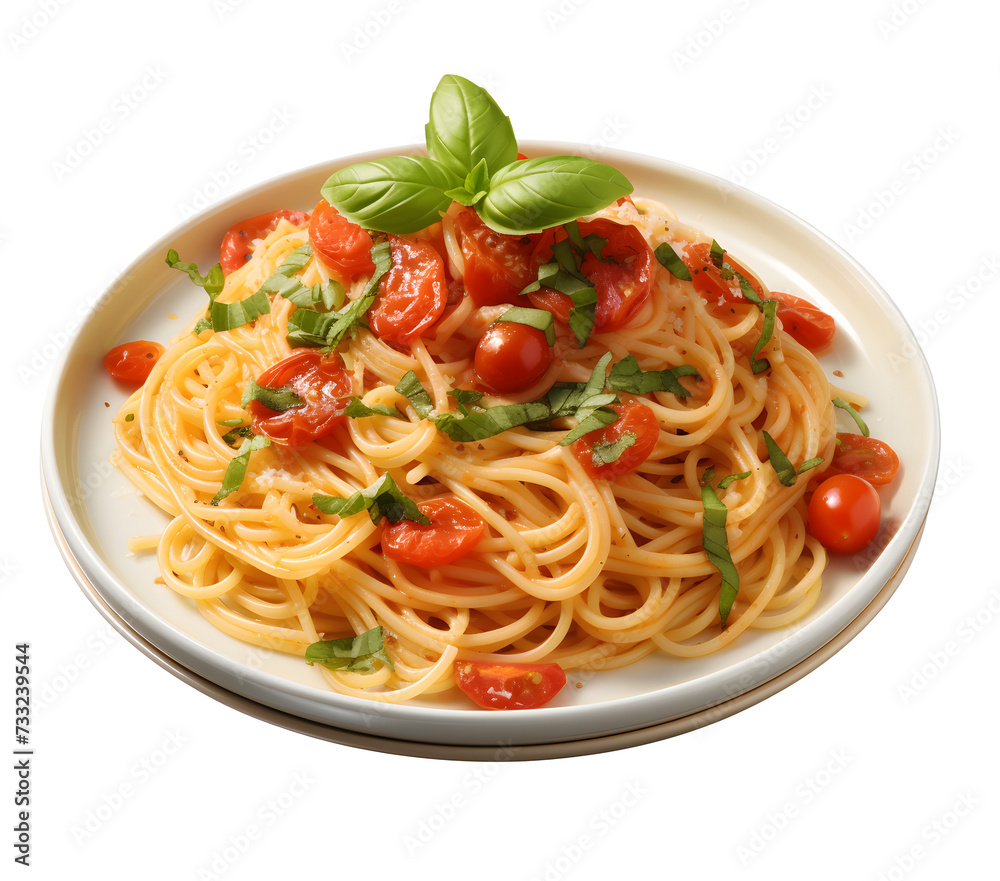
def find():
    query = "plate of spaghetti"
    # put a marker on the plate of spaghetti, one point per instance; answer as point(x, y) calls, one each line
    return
point(488, 442)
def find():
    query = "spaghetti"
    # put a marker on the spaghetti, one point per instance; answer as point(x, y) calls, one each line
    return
point(569, 568)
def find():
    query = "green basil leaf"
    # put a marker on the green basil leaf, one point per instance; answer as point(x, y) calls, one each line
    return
point(467, 127)
point(843, 405)
point(583, 314)
point(481, 424)
point(238, 433)
point(411, 389)
point(811, 463)
point(670, 260)
point(398, 194)
point(352, 654)
point(202, 325)
point(780, 462)
point(532, 195)
point(229, 316)
point(540, 319)
point(716, 544)
point(357, 409)
point(277, 399)
point(382, 499)
point(606, 452)
point(465, 395)
point(236, 470)
point(477, 183)
point(212, 283)
point(724, 483)
point(594, 420)
point(627, 376)
point(717, 254)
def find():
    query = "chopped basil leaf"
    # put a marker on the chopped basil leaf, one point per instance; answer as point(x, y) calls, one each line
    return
point(716, 544)
point(352, 654)
point(231, 437)
point(840, 402)
point(274, 398)
point(670, 260)
point(606, 452)
point(769, 309)
point(411, 389)
point(810, 463)
point(237, 468)
point(465, 395)
point(717, 254)
point(480, 424)
point(627, 376)
point(780, 462)
point(229, 316)
point(724, 483)
point(357, 409)
point(382, 499)
point(540, 319)
point(202, 325)
point(229, 422)
point(212, 283)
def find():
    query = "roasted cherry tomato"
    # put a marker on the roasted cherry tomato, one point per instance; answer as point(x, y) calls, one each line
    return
point(343, 246)
point(324, 385)
point(635, 420)
point(512, 356)
point(454, 530)
point(622, 275)
point(237, 243)
point(497, 266)
point(866, 457)
point(557, 303)
point(719, 285)
point(808, 325)
point(495, 685)
point(844, 513)
point(132, 362)
point(412, 295)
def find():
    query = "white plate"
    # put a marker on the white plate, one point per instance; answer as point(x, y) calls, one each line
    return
point(94, 510)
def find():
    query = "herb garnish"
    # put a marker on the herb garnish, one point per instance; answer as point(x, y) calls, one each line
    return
point(352, 654)
point(382, 499)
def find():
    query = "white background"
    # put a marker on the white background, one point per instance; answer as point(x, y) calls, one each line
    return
point(873, 121)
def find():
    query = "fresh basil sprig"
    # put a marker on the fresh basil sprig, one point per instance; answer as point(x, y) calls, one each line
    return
point(221, 316)
point(351, 654)
point(627, 376)
point(383, 498)
point(274, 398)
point(236, 470)
point(716, 544)
point(472, 158)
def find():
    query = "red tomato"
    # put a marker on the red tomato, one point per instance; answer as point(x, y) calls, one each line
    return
point(343, 246)
point(808, 325)
point(132, 362)
point(844, 513)
point(635, 419)
point(552, 301)
point(511, 356)
point(454, 531)
point(866, 457)
point(499, 686)
point(321, 382)
point(413, 293)
point(497, 266)
point(622, 276)
point(721, 292)
point(237, 243)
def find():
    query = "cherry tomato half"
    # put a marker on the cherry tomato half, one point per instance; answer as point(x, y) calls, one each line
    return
point(323, 383)
point(635, 419)
point(844, 513)
point(498, 686)
point(512, 356)
point(557, 303)
point(497, 266)
point(866, 457)
point(808, 325)
point(412, 295)
point(622, 276)
point(237, 243)
point(343, 246)
point(454, 531)
point(132, 362)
